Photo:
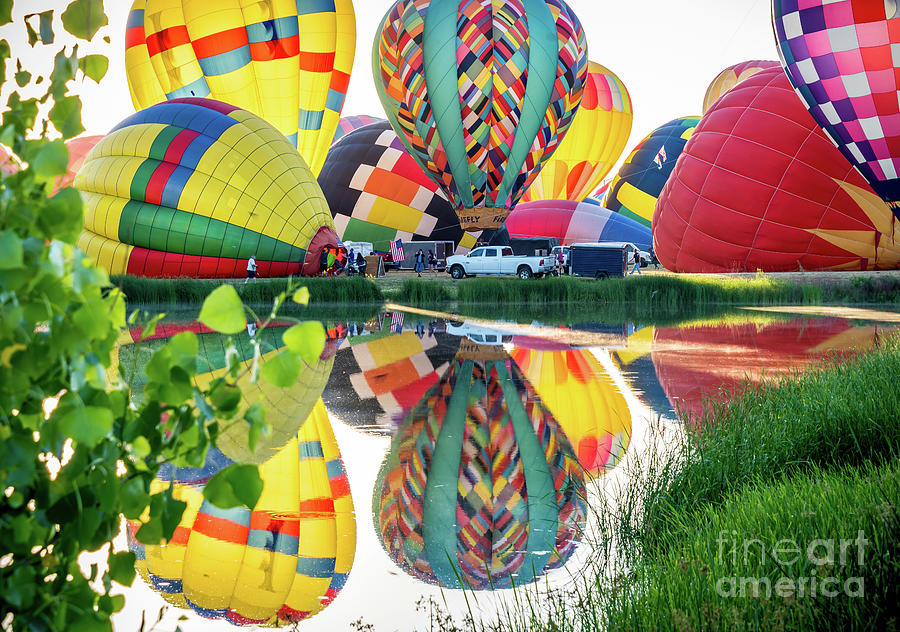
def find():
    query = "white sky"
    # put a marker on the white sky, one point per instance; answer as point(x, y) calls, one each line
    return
point(665, 51)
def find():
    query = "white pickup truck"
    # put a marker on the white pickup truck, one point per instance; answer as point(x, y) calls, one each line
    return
point(498, 260)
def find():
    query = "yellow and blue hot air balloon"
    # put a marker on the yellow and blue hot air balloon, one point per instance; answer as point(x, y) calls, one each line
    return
point(481, 488)
point(480, 94)
point(282, 562)
point(194, 187)
point(593, 144)
point(286, 61)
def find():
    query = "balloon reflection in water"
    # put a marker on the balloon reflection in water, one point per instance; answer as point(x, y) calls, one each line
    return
point(481, 488)
point(286, 408)
point(695, 363)
point(584, 399)
point(284, 561)
point(378, 377)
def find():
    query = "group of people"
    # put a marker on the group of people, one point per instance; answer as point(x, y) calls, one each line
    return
point(422, 259)
point(355, 263)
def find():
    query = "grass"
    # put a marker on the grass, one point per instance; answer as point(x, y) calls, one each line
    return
point(352, 290)
point(422, 292)
point(647, 292)
point(802, 459)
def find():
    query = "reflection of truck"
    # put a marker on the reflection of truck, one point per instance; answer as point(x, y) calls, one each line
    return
point(478, 334)
point(441, 250)
point(497, 260)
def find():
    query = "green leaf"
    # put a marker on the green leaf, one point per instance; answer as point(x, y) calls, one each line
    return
point(282, 370)
point(235, 486)
point(94, 66)
point(5, 12)
point(83, 18)
point(184, 347)
point(121, 567)
point(140, 447)
point(10, 251)
point(33, 36)
point(134, 498)
point(47, 35)
point(66, 116)
point(223, 311)
point(86, 425)
point(301, 296)
point(22, 78)
point(52, 160)
point(306, 339)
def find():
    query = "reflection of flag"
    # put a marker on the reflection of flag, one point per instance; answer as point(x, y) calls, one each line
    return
point(397, 321)
point(397, 251)
point(660, 157)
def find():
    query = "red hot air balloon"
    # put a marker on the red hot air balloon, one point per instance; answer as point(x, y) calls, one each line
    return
point(840, 56)
point(760, 187)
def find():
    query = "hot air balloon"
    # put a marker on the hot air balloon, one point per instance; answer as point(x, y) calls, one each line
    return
point(593, 144)
point(697, 363)
point(193, 187)
point(286, 62)
point(481, 488)
point(378, 193)
point(636, 364)
point(574, 222)
point(840, 56)
point(731, 76)
point(285, 408)
point(641, 177)
point(760, 187)
point(583, 397)
point(480, 95)
point(379, 377)
point(281, 563)
point(349, 123)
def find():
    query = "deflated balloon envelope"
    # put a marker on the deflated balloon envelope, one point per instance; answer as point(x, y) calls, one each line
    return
point(481, 488)
point(286, 62)
point(480, 101)
point(759, 186)
point(641, 178)
point(378, 193)
point(194, 187)
point(281, 563)
point(574, 222)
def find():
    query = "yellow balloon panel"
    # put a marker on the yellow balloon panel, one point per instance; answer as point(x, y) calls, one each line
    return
point(594, 142)
point(286, 61)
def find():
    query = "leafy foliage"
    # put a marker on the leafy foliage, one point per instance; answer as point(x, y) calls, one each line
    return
point(76, 451)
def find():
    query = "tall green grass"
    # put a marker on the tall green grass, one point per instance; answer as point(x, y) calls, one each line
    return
point(422, 292)
point(650, 292)
point(352, 290)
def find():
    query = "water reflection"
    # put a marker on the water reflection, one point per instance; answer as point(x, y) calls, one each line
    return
point(282, 562)
point(695, 362)
point(481, 488)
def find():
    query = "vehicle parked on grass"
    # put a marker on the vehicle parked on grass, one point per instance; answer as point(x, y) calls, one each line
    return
point(598, 260)
point(365, 247)
point(498, 260)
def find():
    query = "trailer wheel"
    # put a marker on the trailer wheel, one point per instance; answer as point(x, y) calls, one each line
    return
point(601, 275)
point(457, 272)
point(524, 272)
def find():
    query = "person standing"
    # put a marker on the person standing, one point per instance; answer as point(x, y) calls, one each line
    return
point(559, 263)
point(432, 262)
point(420, 262)
point(251, 268)
point(636, 260)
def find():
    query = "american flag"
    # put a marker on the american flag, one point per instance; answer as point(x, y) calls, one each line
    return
point(397, 322)
point(397, 251)
point(661, 157)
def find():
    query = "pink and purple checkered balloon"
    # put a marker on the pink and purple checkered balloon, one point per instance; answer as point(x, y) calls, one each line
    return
point(837, 54)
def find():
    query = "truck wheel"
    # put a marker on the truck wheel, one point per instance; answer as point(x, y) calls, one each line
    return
point(524, 272)
point(457, 272)
point(601, 275)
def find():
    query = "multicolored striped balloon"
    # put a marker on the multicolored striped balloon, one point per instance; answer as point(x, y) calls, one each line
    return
point(378, 193)
point(842, 59)
point(644, 173)
point(349, 123)
point(287, 62)
point(585, 400)
point(481, 488)
point(595, 141)
point(481, 92)
point(731, 76)
point(194, 187)
point(575, 222)
point(282, 562)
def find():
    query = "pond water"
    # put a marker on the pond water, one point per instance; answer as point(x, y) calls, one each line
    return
point(423, 454)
